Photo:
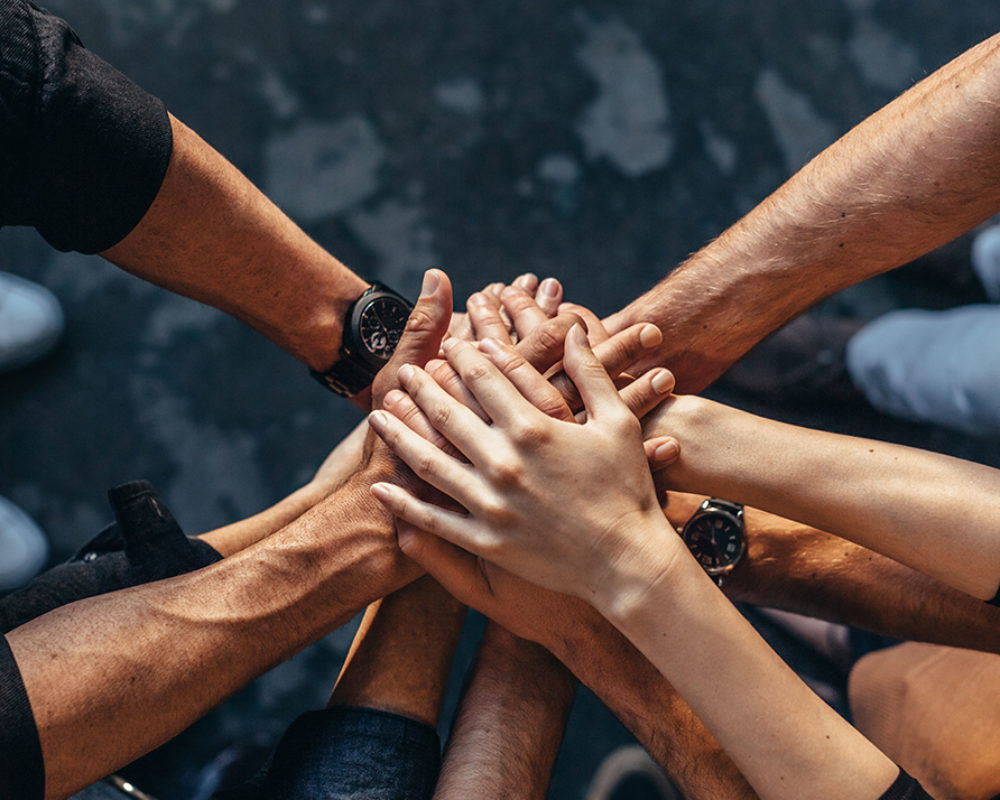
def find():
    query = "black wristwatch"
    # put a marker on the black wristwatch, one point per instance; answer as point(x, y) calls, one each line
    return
point(372, 328)
point(716, 536)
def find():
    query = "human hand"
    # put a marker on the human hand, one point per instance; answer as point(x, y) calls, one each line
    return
point(487, 316)
point(420, 342)
point(531, 508)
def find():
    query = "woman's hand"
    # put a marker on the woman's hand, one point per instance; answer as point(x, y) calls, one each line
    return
point(568, 506)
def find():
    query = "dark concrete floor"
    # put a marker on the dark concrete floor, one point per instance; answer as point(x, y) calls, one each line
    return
point(596, 141)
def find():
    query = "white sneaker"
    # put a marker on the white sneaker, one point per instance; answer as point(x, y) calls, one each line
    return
point(31, 321)
point(23, 548)
point(986, 261)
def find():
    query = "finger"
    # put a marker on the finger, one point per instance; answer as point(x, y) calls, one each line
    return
point(487, 322)
point(421, 339)
point(461, 327)
point(543, 347)
point(502, 402)
point(647, 391)
point(445, 473)
point(527, 380)
point(522, 308)
point(452, 526)
point(596, 331)
point(402, 407)
point(457, 570)
point(598, 392)
point(449, 380)
point(616, 355)
point(528, 281)
point(549, 296)
point(661, 451)
point(470, 434)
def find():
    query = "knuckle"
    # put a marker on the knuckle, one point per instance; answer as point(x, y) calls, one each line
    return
point(529, 433)
point(496, 513)
point(476, 372)
point(420, 320)
point(505, 472)
point(440, 416)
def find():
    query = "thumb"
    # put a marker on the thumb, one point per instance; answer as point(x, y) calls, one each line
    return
point(421, 339)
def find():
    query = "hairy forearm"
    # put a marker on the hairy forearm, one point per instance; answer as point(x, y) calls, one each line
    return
point(510, 722)
point(911, 177)
point(210, 234)
point(932, 512)
point(649, 706)
point(401, 656)
point(792, 567)
point(113, 676)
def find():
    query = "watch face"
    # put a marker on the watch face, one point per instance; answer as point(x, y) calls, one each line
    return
point(381, 324)
point(715, 540)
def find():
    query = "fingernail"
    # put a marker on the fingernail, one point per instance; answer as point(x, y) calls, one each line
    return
point(662, 382)
point(527, 279)
point(406, 373)
point(550, 287)
point(434, 364)
point(448, 343)
point(381, 491)
point(377, 420)
point(392, 398)
point(489, 345)
point(650, 336)
point(430, 284)
point(666, 451)
point(478, 299)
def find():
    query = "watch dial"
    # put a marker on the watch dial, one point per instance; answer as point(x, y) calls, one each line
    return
point(381, 325)
point(715, 540)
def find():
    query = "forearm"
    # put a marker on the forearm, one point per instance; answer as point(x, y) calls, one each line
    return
point(932, 512)
point(210, 234)
point(911, 177)
point(649, 706)
point(401, 656)
point(113, 676)
point(792, 567)
point(510, 722)
point(785, 740)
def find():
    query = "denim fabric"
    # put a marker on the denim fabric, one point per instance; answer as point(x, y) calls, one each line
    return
point(348, 754)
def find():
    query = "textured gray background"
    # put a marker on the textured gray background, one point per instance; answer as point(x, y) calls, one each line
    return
point(599, 142)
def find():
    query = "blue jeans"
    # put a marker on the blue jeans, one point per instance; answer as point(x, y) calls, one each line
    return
point(348, 754)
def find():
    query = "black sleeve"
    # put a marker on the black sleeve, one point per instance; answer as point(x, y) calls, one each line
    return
point(22, 776)
point(144, 544)
point(905, 788)
point(83, 150)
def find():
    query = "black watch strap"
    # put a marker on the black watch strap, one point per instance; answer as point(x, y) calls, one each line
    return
point(347, 377)
point(353, 373)
point(736, 509)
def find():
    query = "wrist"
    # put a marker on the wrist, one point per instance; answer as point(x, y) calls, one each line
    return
point(630, 579)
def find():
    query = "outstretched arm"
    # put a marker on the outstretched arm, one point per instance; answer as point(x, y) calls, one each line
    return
point(210, 234)
point(509, 724)
point(798, 568)
point(911, 177)
point(932, 512)
point(113, 676)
